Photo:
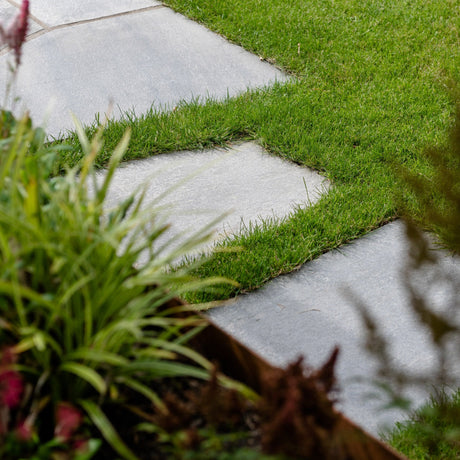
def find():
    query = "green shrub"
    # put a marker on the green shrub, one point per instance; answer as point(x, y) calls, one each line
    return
point(83, 322)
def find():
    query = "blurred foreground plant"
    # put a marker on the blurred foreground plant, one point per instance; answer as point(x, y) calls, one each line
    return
point(85, 324)
point(293, 418)
point(18, 435)
point(14, 37)
point(438, 196)
point(432, 431)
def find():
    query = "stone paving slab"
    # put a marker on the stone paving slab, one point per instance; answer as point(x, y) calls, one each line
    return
point(153, 56)
point(54, 13)
point(7, 11)
point(244, 181)
point(307, 312)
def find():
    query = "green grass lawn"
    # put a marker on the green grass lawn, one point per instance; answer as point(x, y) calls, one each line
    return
point(370, 94)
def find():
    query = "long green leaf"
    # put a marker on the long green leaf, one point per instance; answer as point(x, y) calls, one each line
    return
point(87, 374)
point(91, 149)
point(182, 350)
point(155, 353)
point(75, 287)
point(98, 356)
point(106, 428)
point(159, 368)
point(35, 338)
point(10, 288)
point(115, 159)
point(144, 390)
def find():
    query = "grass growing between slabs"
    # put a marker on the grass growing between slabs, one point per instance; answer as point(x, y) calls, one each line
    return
point(370, 93)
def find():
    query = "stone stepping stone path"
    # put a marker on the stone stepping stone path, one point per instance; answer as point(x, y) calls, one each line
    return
point(129, 52)
point(244, 182)
point(81, 57)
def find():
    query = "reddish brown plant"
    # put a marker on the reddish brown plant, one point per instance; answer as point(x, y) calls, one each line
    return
point(297, 415)
point(15, 35)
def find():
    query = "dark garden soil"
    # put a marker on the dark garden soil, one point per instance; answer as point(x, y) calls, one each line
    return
point(198, 413)
point(294, 417)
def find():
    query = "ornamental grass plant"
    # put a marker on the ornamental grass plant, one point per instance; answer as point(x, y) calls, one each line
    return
point(79, 323)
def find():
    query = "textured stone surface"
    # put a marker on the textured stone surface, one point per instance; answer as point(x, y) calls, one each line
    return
point(7, 11)
point(149, 57)
point(54, 13)
point(309, 311)
point(244, 181)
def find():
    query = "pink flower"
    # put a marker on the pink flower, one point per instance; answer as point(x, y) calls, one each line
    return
point(15, 35)
point(10, 381)
point(10, 388)
point(68, 419)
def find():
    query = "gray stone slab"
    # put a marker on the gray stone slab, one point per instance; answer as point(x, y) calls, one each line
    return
point(151, 57)
point(56, 13)
point(7, 11)
point(308, 312)
point(244, 181)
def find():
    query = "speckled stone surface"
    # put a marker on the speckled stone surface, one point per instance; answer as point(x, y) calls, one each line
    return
point(245, 182)
point(54, 13)
point(151, 56)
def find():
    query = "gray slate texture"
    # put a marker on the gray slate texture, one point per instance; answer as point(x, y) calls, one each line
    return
point(243, 186)
point(53, 13)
